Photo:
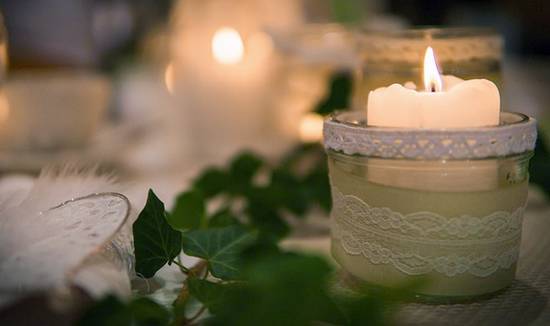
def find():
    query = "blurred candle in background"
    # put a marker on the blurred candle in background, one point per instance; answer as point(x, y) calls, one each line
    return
point(226, 72)
point(227, 46)
point(313, 53)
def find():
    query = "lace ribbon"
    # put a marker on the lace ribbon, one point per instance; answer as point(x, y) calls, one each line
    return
point(458, 49)
point(424, 242)
point(346, 132)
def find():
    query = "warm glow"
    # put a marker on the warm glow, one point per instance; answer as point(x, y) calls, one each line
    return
point(432, 78)
point(4, 108)
point(169, 78)
point(260, 43)
point(311, 128)
point(227, 46)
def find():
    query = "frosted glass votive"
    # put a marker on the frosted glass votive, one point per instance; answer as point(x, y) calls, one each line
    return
point(439, 208)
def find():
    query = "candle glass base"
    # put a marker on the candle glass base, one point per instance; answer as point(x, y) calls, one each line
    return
point(354, 284)
point(447, 221)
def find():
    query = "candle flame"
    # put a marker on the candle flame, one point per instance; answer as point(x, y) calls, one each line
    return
point(227, 46)
point(432, 78)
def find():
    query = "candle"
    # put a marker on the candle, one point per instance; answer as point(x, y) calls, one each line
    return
point(427, 213)
point(430, 187)
point(389, 57)
point(447, 102)
point(225, 73)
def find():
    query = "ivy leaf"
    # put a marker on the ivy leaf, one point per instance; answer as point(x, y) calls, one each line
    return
point(366, 311)
point(209, 293)
point(263, 211)
point(318, 187)
point(212, 182)
point(223, 217)
point(281, 289)
point(189, 211)
point(242, 170)
point(291, 191)
point(220, 247)
point(146, 312)
point(156, 243)
point(346, 11)
point(339, 95)
point(268, 221)
point(244, 166)
point(110, 311)
point(539, 167)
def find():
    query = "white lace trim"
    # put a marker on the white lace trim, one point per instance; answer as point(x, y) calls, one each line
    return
point(462, 143)
point(384, 49)
point(424, 242)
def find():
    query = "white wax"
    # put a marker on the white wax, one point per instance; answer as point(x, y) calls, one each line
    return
point(470, 103)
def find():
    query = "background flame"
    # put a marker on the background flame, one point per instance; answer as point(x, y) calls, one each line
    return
point(227, 46)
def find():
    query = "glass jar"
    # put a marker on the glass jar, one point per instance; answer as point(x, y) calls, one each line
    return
point(397, 56)
point(437, 208)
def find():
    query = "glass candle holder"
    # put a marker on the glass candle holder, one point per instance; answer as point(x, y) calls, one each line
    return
point(396, 56)
point(313, 54)
point(434, 207)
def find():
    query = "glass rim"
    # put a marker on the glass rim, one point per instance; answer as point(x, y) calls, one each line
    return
point(505, 117)
point(435, 32)
point(383, 161)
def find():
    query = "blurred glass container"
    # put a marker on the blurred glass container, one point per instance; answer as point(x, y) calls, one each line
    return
point(314, 53)
point(396, 56)
point(3, 49)
point(51, 110)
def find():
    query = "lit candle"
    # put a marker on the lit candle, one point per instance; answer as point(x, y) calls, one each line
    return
point(431, 189)
point(224, 68)
point(446, 102)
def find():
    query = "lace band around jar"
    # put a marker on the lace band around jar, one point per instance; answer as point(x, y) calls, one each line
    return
point(347, 132)
point(472, 245)
point(450, 44)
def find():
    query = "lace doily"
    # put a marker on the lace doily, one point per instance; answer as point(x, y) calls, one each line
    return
point(450, 45)
point(348, 132)
point(425, 242)
point(43, 258)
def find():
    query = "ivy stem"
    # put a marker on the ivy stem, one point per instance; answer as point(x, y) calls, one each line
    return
point(199, 268)
point(183, 296)
point(184, 269)
point(194, 271)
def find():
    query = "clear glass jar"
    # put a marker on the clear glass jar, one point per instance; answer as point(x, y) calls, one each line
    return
point(447, 221)
point(397, 56)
